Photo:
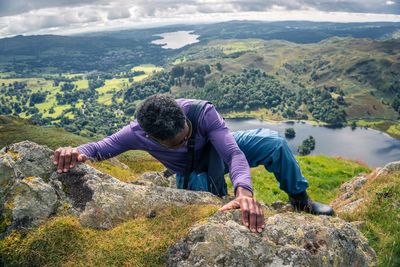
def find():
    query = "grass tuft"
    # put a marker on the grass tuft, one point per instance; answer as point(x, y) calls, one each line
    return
point(62, 241)
point(325, 175)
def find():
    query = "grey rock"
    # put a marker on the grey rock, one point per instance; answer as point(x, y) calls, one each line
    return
point(156, 178)
point(33, 191)
point(390, 167)
point(29, 163)
point(280, 206)
point(289, 239)
point(349, 201)
point(34, 203)
point(352, 206)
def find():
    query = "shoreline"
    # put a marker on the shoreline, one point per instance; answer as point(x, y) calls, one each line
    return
point(360, 123)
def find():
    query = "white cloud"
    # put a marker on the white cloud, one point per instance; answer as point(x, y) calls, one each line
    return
point(97, 15)
point(389, 3)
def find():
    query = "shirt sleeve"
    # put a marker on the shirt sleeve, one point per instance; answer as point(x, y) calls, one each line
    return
point(227, 148)
point(110, 146)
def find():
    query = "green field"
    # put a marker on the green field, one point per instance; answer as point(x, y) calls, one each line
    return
point(147, 68)
point(110, 87)
point(236, 46)
point(106, 92)
point(81, 84)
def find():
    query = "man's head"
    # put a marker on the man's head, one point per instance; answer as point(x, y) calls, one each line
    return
point(163, 119)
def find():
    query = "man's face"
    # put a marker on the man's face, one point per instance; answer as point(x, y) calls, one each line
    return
point(179, 140)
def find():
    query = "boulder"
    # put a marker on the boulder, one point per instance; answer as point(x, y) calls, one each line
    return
point(32, 191)
point(289, 239)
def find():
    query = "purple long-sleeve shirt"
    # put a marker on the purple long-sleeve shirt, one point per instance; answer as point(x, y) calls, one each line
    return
point(210, 124)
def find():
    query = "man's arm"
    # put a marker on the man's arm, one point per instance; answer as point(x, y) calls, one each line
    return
point(239, 170)
point(226, 146)
point(66, 157)
point(110, 146)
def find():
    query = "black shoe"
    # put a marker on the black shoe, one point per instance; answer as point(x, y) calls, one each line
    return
point(301, 202)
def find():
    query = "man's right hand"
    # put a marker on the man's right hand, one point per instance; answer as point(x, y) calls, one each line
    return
point(66, 158)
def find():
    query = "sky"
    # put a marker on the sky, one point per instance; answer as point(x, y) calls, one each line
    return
point(77, 16)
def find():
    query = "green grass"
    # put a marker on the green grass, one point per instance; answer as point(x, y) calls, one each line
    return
point(62, 241)
point(325, 175)
point(381, 217)
point(394, 130)
point(262, 114)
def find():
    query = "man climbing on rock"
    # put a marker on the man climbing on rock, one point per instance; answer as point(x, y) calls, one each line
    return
point(163, 129)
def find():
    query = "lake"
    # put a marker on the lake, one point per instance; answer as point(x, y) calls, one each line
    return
point(175, 40)
point(370, 146)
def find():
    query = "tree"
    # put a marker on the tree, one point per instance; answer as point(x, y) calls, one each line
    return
point(290, 133)
point(177, 71)
point(37, 98)
point(306, 146)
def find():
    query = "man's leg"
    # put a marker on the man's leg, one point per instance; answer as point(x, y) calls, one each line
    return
point(264, 146)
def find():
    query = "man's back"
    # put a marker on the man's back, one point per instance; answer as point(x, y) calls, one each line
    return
point(211, 126)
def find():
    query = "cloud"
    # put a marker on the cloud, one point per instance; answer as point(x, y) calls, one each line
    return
point(14, 7)
point(70, 16)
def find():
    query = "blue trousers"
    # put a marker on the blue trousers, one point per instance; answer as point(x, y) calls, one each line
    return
point(266, 147)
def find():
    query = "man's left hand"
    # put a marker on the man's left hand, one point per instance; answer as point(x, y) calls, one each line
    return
point(252, 213)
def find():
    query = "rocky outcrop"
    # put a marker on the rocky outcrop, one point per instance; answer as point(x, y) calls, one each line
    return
point(31, 191)
point(288, 239)
point(347, 202)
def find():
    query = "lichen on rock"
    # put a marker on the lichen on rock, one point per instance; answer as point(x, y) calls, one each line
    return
point(289, 239)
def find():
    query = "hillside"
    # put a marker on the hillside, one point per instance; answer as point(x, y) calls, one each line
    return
point(372, 201)
point(362, 77)
point(63, 219)
point(88, 218)
point(366, 71)
point(117, 51)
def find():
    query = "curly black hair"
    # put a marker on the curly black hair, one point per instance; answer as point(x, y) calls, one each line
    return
point(161, 117)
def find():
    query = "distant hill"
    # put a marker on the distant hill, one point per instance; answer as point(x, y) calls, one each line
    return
point(120, 50)
point(367, 72)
